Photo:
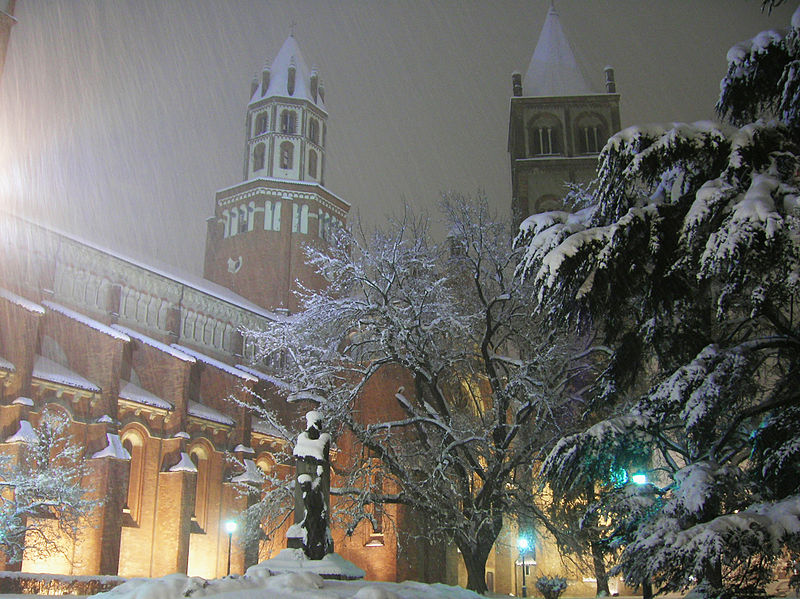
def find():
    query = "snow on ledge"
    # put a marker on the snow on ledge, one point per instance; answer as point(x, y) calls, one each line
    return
point(25, 434)
point(252, 474)
point(185, 464)
point(21, 301)
point(154, 343)
point(23, 401)
point(47, 370)
point(114, 449)
point(136, 394)
point(198, 410)
point(216, 363)
point(90, 322)
point(6, 365)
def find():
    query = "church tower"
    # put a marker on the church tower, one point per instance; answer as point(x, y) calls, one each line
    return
point(255, 239)
point(558, 124)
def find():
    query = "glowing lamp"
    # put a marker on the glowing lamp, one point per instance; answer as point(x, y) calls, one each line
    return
point(230, 526)
point(639, 478)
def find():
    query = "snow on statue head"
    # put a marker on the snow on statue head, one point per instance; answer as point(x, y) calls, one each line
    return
point(311, 529)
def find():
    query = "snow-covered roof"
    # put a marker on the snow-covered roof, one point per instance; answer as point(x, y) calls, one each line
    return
point(21, 301)
point(288, 55)
point(267, 378)
point(6, 365)
point(23, 401)
point(155, 343)
point(198, 410)
point(167, 271)
point(294, 182)
point(264, 427)
point(135, 393)
point(216, 363)
point(47, 370)
point(553, 70)
point(90, 322)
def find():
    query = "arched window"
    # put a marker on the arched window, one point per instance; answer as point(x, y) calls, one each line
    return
point(200, 457)
point(547, 203)
point(313, 130)
point(304, 219)
point(544, 136)
point(299, 218)
point(261, 123)
point(272, 215)
point(133, 442)
point(590, 134)
point(226, 223)
point(287, 155)
point(234, 229)
point(288, 122)
point(312, 163)
point(258, 157)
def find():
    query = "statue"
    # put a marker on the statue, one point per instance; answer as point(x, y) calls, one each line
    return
point(311, 529)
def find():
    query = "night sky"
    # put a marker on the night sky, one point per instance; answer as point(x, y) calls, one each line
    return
point(120, 119)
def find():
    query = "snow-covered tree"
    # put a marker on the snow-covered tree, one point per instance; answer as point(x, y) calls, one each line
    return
point(483, 388)
point(44, 502)
point(686, 259)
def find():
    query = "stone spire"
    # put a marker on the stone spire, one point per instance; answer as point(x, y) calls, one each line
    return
point(553, 70)
point(288, 77)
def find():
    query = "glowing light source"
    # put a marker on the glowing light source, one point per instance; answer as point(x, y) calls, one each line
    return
point(523, 544)
point(230, 526)
point(639, 478)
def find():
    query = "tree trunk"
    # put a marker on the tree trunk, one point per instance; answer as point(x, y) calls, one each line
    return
point(475, 556)
point(600, 573)
point(647, 589)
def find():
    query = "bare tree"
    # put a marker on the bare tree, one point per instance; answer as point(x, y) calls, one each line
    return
point(43, 502)
point(487, 387)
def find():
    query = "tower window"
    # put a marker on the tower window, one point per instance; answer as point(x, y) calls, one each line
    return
point(261, 123)
point(313, 130)
point(287, 155)
point(299, 218)
point(590, 134)
point(272, 215)
point(312, 163)
point(288, 122)
point(258, 157)
point(544, 136)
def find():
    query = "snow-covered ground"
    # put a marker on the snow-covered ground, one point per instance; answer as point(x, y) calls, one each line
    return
point(259, 584)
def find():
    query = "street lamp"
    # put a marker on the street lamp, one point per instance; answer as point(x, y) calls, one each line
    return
point(523, 544)
point(230, 528)
point(640, 478)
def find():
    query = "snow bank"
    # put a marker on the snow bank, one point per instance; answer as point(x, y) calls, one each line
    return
point(294, 560)
point(259, 584)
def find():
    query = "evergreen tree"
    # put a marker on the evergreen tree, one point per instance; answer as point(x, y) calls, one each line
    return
point(686, 260)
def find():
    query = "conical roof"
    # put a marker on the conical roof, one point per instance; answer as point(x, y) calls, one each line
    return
point(553, 70)
point(288, 55)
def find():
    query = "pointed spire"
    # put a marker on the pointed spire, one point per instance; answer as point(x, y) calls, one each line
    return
point(553, 70)
point(287, 76)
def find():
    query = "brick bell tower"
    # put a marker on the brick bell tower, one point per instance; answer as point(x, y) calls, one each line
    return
point(558, 124)
point(255, 240)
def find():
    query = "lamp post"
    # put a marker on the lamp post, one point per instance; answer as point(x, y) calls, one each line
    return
point(230, 528)
point(523, 544)
point(640, 478)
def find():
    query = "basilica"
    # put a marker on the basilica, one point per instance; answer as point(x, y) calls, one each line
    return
point(144, 360)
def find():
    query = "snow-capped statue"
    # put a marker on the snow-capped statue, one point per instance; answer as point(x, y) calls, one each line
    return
point(311, 529)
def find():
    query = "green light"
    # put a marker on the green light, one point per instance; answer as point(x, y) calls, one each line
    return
point(523, 544)
point(639, 479)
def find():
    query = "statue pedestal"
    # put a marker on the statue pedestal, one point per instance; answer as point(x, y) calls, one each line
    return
point(332, 566)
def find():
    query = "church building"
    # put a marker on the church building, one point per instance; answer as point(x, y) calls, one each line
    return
point(143, 361)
